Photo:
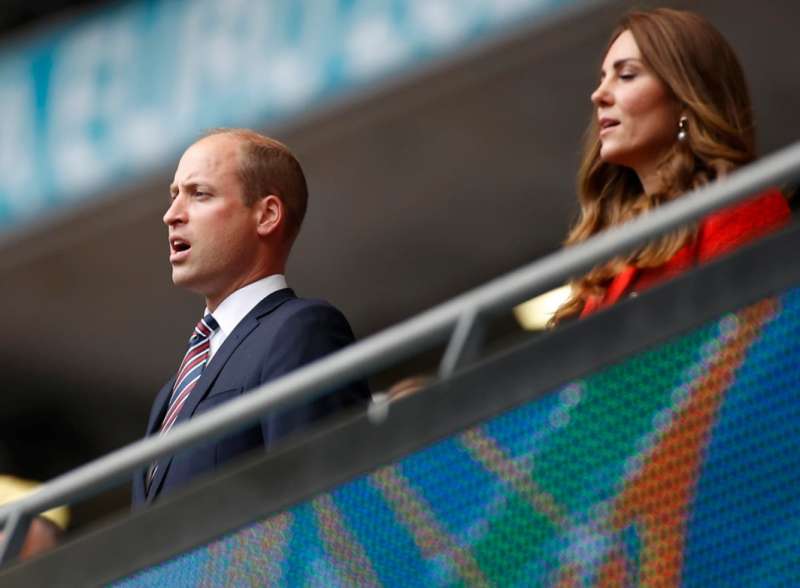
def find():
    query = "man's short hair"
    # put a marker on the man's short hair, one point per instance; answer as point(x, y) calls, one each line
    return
point(267, 166)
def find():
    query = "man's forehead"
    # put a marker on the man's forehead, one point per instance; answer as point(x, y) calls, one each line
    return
point(215, 148)
point(214, 155)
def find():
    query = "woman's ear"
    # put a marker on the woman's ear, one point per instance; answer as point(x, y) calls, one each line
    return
point(270, 213)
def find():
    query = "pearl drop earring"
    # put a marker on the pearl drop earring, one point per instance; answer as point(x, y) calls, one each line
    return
point(683, 129)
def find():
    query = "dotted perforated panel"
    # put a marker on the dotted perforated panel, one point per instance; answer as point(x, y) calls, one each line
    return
point(679, 466)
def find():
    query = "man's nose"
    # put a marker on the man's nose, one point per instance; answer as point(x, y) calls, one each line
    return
point(176, 212)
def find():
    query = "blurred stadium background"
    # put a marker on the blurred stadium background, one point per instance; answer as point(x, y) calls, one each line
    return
point(440, 139)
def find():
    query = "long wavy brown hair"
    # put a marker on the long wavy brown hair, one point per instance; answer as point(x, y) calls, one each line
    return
point(703, 75)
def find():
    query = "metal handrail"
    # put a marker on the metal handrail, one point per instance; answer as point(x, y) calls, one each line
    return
point(419, 333)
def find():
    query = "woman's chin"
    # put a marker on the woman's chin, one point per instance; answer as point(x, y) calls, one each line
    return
point(612, 158)
point(614, 155)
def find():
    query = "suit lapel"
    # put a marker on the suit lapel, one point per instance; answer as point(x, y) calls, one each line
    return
point(160, 407)
point(157, 414)
point(223, 354)
point(210, 373)
point(155, 486)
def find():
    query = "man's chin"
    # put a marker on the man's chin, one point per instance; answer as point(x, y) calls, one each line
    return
point(183, 278)
point(189, 281)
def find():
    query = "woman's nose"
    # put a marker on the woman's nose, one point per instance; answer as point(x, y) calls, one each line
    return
point(601, 95)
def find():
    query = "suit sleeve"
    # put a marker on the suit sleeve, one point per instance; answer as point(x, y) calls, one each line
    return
point(308, 334)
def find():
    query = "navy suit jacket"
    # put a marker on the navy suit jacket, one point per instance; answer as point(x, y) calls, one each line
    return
point(280, 334)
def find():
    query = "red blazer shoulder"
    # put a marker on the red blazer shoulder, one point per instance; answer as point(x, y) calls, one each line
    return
point(727, 229)
point(717, 234)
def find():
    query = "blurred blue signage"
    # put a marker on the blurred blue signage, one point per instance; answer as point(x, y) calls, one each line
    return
point(115, 94)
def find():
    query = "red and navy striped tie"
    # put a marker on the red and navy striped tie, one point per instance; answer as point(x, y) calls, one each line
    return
point(190, 371)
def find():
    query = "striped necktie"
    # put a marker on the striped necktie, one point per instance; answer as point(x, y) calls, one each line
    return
point(191, 369)
point(189, 372)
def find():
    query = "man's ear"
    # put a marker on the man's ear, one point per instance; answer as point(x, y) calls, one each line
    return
point(270, 214)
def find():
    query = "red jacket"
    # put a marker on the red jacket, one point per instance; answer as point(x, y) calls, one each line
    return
point(718, 233)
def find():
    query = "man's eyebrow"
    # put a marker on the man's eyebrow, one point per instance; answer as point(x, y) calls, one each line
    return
point(190, 186)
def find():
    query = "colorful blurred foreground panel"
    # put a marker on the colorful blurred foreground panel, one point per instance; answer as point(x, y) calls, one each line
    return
point(677, 467)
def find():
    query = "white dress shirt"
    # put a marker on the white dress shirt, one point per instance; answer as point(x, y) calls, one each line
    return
point(235, 307)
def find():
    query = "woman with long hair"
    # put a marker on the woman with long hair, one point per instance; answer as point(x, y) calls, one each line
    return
point(672, 113)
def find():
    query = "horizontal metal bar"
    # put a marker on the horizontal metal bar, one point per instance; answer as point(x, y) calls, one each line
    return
point(414, 335)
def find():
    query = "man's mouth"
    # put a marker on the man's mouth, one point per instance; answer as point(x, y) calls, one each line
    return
point(178, 248)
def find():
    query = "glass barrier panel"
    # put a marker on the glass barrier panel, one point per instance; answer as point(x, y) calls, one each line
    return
point(678, 466)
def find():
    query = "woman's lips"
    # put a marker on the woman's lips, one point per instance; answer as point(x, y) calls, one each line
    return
point(607, 124)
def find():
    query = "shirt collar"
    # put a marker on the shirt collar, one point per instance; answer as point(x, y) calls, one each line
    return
point(235, 307)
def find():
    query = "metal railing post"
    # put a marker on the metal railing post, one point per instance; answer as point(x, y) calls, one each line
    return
point(14, 533)
point(465, 342)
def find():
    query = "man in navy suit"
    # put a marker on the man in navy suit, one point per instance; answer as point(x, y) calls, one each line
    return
point(236, 205)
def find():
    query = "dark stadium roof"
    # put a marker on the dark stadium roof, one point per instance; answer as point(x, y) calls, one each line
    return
point(20, 14)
